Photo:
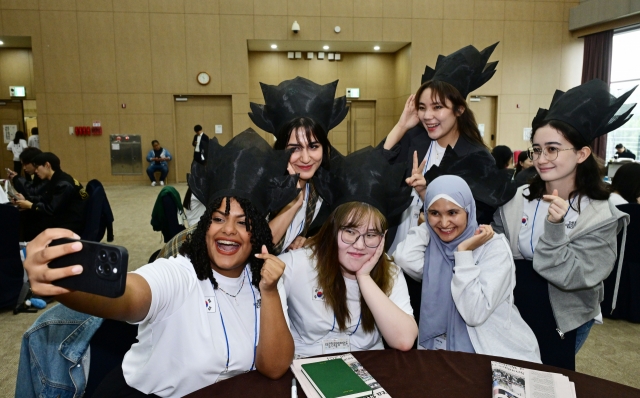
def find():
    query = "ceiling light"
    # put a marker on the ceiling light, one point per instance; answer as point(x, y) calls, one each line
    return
point(1, 42)
point(376, 48)
point(274, 46)
point(325, 47)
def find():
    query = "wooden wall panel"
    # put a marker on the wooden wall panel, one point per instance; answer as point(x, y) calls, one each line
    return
point(97, 68)
point(90, 56)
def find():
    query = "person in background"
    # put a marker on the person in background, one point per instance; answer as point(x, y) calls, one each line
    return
point(622, 152)
point(562, 228)
point(503, 156)
point(34, 140)
point(200, 144)
point(523, 162)
point(17, 145)
point(625, 185)
point(158, 157)
point(62, 202)
point(29, 185)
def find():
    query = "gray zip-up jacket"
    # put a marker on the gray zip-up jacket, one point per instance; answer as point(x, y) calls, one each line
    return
point(576, 264)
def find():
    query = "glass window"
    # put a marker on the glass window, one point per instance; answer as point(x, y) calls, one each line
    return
point(625, 74)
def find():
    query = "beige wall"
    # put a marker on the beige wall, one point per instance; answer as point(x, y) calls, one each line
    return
point(91, 56)
point(16, 69)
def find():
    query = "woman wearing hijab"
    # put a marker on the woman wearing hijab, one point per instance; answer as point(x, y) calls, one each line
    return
point(562, 227)
point(343, 293)
point(300, 114)
point(468, 277)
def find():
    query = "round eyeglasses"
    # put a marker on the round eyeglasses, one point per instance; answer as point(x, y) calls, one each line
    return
point(550, 152)
point(350, 236)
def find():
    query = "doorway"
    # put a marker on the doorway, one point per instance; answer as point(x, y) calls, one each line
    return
point(485, 109)
point(357, 130)
point(213, 113)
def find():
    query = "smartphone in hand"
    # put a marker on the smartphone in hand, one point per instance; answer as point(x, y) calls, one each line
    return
point(104, 268)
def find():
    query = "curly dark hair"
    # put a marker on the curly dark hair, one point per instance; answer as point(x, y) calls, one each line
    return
point(195, 246)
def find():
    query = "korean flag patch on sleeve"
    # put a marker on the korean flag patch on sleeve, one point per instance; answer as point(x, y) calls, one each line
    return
point(210, 303)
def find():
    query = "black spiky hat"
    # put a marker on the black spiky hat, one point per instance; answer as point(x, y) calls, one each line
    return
point(247, 167)
point(298, 97)
point(588, 108)
point(367, 176)
point(466, 69)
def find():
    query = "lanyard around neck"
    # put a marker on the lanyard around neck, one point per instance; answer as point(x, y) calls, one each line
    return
point(255, 325)
point(303, 219)
point(354, 330)
point(533, 224)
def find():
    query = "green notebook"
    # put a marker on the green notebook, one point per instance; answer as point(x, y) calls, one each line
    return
point(335, 379)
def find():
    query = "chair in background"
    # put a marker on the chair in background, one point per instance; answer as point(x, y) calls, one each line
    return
point(99, 217)
point(166, 211)
point(628, 302)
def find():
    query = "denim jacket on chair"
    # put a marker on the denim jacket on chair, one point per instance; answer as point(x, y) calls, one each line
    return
point(54, 356)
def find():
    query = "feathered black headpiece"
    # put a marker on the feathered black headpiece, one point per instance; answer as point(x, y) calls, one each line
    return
point(247, 167)
point(367, 176)
point(298, 97)
point(488, 184)
point(588, 108)
point(466, 69)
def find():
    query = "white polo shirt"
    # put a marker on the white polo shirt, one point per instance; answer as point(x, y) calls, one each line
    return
point(312, 321)
point(182, 342)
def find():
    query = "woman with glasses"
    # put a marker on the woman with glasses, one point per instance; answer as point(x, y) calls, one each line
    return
point(468, 277)
point(343, 293)
point(562, 227)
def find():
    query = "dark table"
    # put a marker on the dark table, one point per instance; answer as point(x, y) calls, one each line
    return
point(419, 373)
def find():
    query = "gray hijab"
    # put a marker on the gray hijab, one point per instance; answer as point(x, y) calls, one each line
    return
point(438, 313)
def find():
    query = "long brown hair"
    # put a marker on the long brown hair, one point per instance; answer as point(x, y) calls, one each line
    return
point(466, 121)
point(325, 251)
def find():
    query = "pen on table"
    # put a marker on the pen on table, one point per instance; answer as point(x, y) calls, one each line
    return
point(294, 389)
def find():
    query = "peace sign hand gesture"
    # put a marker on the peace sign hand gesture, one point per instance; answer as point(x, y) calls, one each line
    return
point(417, 180)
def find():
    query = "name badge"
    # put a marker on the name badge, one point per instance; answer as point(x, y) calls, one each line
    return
point(440, 342)
point(210, 303)
point(333, 346)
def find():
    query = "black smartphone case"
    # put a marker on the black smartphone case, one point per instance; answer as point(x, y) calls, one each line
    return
point(104, 268)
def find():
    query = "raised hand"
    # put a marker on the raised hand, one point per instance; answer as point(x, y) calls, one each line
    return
point(417, 180)
point(409, 117)
point(272, 270)
point(482, 235)
point(558, 207)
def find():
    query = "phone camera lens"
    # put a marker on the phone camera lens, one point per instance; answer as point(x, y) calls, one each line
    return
point(107, 269)
point(102, 255)
point(113, 257)
point(100, 269)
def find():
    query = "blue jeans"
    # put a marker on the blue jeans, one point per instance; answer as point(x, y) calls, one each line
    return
point(582, 333)
point(162, 168)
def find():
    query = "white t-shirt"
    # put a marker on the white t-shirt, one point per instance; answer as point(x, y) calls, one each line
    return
point(616, 199)
point(297, 224)
point(197, 148)
point(34, 141)
point(17, 149)
point(182, 345)
point(312, 321)
point(410, 216)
